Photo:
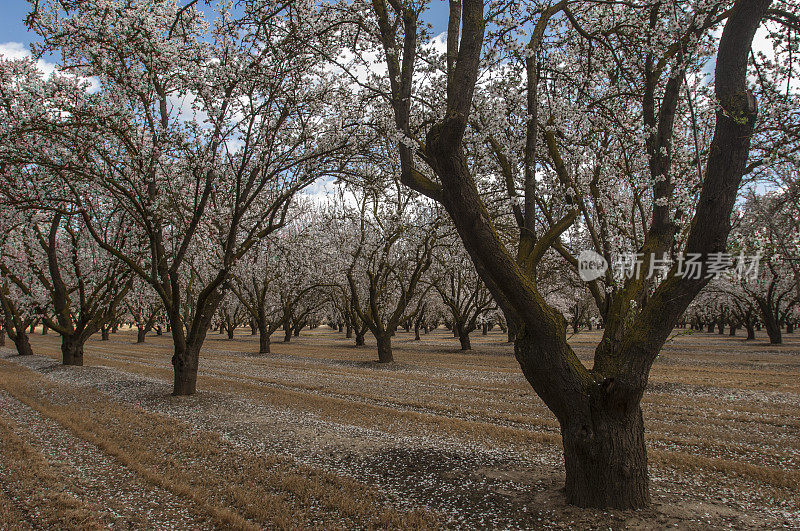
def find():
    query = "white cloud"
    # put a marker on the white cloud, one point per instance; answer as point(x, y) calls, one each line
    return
point(17, 50)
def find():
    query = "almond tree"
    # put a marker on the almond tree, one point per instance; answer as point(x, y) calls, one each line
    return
point(199, 135)
point(392, 242)
point(463, 292)
point(642, 71)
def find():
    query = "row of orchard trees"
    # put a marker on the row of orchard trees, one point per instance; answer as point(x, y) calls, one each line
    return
point(168, 156)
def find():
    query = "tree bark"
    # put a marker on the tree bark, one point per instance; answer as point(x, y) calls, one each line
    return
point(751, 331)
point(104, 333)
point(263, 338)
point(385, 348)
point(463, 338)
point(605, 458)
point(141, 333)
point(2, 337)
point(23, 344)
point(231, 329)
point(71, 351)
point(184, 363)
point(359, 339)
point(770, 322)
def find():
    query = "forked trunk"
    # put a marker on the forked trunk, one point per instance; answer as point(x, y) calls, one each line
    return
point(184, 363)
point(605, 458)
point(359, 339)
point(71, 351)
point(385, 348)
point(141, 333)
point(751, 331)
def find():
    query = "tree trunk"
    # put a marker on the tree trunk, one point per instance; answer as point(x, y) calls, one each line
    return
point(45, 329)
point(184, 363)
point(385, 348)
point(751, 331)
point(348, 332)
point(140, 334)
point(263, 338)
point(359, 339)
point(605, 458)
point(416, 332)
point(23, 344)
point(287, 333)
point(770, 322)
point(104, 333)
point(732, 330)
point(2, 337)
point(790, 327)
point(484, 329)
point(463, 338)
point(231, 329)
point(71, 351)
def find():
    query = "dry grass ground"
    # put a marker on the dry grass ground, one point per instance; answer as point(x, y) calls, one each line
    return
point(318, 435)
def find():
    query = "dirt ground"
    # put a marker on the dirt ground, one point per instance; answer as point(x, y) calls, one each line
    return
point(317, 434)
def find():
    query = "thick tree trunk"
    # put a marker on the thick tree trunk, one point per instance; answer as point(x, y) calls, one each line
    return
point(770, 322)
point(231, 329)
point(141, 333)
point(348, 332)
point(416, 332)
point(751, 331)
point(71, 351)
point(2, 337)
point(23, 344)
point(484, 329)
point(45, 329)
point(606, 459)
point(287, 333)
point(385, 348)
point(790, 327)
point(184, 363)
point(104, 334)
point(732, 330)
point(463, 338)
point(359, 339)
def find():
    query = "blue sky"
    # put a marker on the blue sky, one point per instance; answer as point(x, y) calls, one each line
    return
point(12, 25)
